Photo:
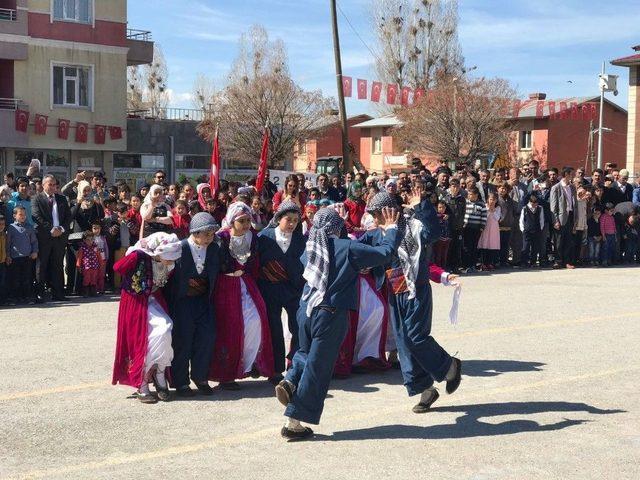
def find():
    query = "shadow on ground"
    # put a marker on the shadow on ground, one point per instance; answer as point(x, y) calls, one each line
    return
point(469, 424)
point(493, 368)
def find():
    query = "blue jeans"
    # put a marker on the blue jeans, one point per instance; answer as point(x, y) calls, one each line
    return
point(594, 249)
point(609, 248)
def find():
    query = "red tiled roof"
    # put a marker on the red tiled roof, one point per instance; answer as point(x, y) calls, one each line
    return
point(626, 61)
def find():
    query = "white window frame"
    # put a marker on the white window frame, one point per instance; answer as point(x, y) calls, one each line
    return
point(92, 13)
point(377, 143)
point(523, 133)
point(90, 93)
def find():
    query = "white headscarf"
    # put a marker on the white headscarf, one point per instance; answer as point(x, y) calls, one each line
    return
point(167, 246)
point(82, 184)
point(235, 211)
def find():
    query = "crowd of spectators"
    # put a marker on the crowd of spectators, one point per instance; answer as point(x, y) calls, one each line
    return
point(61, 240)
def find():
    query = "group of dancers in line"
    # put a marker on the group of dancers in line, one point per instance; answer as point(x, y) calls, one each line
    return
point(209, 307)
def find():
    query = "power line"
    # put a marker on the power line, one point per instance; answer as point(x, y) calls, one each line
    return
point(356, 32)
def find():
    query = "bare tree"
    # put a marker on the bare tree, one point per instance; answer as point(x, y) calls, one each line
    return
point(259, 89)
point(204, 93)
point(147, 85)
point(459, 120)
point(417, 41)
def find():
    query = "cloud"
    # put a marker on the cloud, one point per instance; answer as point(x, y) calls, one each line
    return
point(179, 99)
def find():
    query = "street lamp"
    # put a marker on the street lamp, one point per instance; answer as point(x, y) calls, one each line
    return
point(607, 83)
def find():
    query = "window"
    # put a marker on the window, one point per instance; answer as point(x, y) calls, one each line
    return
point(377, 144)
point(193, 162)
point(80, 11)
point(72, 85)
point(525, 140)
point(302, 147)
point(124, 160)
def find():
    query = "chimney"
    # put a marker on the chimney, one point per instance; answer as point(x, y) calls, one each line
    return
point(537, 96)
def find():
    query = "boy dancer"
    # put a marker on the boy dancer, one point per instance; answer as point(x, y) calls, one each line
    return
point(190, 306)
point(332, 267)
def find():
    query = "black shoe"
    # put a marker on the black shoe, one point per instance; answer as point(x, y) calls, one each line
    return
point(232, 386)
point(185, 392)
point(145, 397)
point(284, 392)
point(204, 389)
point(60, 298)
point(424, 407)
point(294, 435)
point(163, 394)
point(453, 384)
point(276, 379)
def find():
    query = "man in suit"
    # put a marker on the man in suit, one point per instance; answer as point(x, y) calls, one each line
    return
point(52, 216)
point(622, 187)
point(484, 187)
point(563, 201)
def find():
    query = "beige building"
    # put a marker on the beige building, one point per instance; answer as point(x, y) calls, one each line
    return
point(633, 125)
point(66, 59)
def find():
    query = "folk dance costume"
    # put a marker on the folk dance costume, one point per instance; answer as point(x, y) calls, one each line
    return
point(189, 292)
point(332, 267)
point(280, 281)
point(243, 342)
point(143, 347)
point(422, 359)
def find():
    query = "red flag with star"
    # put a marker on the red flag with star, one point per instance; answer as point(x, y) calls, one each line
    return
point(347, 86)
point(376, 90)
point(392, 93)
point(540, 109)
point(404, 96)
point(264, 156)
point(63, 128)
point(552, 110)
point(99, 134)
point(362, 89)
point(214, 178)
point(115, 133)
point(81, 132)
point(22, 120)
point(41, 124)
point(417, 95)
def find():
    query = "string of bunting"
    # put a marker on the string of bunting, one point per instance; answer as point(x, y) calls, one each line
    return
point(41, 123)
point(560, 110)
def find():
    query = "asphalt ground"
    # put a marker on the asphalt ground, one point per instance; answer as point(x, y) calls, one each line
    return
point(549, 391)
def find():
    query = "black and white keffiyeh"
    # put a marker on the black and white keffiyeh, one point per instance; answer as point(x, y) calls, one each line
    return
point(326, 223)
point(410, 247)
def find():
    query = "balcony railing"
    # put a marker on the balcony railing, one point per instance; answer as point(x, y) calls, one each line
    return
point(185, 114)
point(10, 103)
point(8, 14)
point(143, 35)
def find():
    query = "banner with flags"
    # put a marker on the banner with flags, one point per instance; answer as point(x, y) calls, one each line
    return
point(264, 157)
point(214, 178)
point(41, 124)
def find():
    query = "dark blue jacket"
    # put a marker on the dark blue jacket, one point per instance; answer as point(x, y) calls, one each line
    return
point(269, 250)
point(185, 269)
point(347, 259)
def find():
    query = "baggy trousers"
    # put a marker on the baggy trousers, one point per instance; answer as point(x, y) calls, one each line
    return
point(422, 359)
point(193, 336)
point(320, 337)
point(274, 314)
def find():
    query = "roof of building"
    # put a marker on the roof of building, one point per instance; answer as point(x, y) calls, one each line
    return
point(333, 120)
point(385, 121)
point(529, 107)
point(627, 61)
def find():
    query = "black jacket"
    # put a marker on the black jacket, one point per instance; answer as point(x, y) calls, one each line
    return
point(43, 217)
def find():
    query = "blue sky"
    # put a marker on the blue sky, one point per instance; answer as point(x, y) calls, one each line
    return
point(538, 45)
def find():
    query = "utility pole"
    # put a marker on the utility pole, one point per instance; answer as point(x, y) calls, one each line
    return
point(341, 105)
point(600, 119)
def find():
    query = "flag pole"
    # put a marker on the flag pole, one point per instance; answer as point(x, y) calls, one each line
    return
point(341, 105)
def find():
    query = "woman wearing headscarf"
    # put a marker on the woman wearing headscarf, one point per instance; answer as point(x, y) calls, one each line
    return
point(355, 206)
point(156, 213)
point(422, 359)
point(280, 246)
point(204, 193)
point(332, 266)
point(243, 342)
point(143, 347)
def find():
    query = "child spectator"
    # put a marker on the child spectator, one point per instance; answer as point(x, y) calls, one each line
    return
point(90, 264)
point(100, 242)
point(111, 232)
point(475, 219)
point(532, 227)
point(3, 261)
point(489, 241)
point(441, 247)
point(134, 218)
point(181, 219)
point(309, 212)
point(594, 237)
point(22, 250)
point(608, 231)
point(258, 217)
point(124, 240)
point(631, 239)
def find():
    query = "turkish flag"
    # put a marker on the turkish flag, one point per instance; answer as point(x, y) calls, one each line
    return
point(81, 132)
point(574, 110)
point(264, 155)
point(214, 179)
point(404, 96)
point(594, 111)
point(115, 133)
point(22, 120)
point(552, 110)
point(376, 90)
point(417, 95)
point(100, 132)
point(41, 124)
point(392, 93)
point(362, 89)
point(540, 109)
point(63, 128)
point(564, 113)
point(517, 106)
point(347, 86)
